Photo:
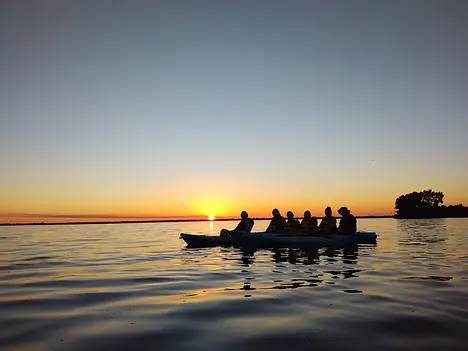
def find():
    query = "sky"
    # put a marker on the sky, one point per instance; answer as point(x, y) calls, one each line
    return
point(152, 109)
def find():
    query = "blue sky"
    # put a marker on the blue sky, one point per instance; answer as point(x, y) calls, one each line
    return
point(162, 102)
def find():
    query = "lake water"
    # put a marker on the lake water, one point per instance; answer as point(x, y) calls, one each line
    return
point(137, 287)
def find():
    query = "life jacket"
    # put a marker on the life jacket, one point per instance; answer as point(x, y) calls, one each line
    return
point(309, 226)
point(292, 225)
point(348, 224)
point(328, 224)
point(277, 225)
point(245, 225)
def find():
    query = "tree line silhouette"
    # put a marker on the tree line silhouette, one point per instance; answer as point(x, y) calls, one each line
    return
point(427, 204)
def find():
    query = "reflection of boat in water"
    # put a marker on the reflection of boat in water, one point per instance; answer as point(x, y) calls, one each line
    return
point(331, 263)
point(278, 268)
point(348, 254)
point(275, 240)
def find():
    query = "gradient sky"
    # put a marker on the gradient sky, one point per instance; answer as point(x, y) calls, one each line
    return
point(181, 108)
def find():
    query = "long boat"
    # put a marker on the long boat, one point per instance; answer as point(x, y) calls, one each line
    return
point(275, 239)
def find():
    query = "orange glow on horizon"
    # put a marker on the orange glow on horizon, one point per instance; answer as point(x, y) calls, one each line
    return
point(259, 212)
point(200, 196)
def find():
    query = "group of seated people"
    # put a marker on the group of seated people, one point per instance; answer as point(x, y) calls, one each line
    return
point(308, 225)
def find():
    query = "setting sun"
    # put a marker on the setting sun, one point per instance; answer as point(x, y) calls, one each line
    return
point(211, 217)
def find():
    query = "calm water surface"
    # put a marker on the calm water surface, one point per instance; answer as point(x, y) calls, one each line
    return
point(137, 287)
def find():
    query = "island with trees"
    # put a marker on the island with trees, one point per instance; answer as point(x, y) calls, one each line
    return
point(427, 204)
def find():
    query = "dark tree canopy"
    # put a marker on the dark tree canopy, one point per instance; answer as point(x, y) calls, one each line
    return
point(426, 204)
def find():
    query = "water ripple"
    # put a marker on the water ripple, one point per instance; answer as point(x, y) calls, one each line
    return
point(136, 286)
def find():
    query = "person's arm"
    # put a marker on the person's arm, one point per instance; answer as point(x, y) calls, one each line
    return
point(240, 227)
point(250, 225)
point(339, 230)
point(298, 227)
point(283, 225)
point(314, 226)
point(321, 224)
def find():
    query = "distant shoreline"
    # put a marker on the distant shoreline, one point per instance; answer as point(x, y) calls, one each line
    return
point(427, 217)
point(158, 221)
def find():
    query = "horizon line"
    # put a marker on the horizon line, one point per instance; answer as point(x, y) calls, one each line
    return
point(91, 215)
point(170, 220)
point(128, 216)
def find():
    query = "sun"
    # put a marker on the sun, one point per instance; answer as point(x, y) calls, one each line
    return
point(211, 217)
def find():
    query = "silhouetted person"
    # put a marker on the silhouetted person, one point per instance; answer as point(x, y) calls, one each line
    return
point(245, 225)
point(277, 224)
point(292, 224)
point(348, 223)
point(308, 224)
point(328, 223)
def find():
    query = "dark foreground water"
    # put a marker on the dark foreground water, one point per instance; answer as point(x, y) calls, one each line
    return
point(137, 287)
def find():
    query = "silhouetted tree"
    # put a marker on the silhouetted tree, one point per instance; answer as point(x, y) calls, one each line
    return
point(427, 203)
point(431, 199)
point(408, 203)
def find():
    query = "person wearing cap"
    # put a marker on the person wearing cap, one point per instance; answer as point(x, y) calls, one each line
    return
point(292, 224)
point(245, 225)
point(277, 224)
point(348, 223)
point(328, 223)
point(308, 224)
